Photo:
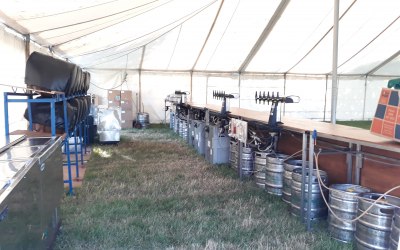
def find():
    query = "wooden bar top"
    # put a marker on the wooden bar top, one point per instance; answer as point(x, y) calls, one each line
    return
point(324, 129)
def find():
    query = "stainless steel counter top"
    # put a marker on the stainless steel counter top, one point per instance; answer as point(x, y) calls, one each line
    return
point(10, 140)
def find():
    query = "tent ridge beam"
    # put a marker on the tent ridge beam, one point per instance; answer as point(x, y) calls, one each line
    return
point(13, 25)
point(246, 73)
point(370, 42)
point(267, 30)
point(208, 35)
point(322, 38)
point(379, 66)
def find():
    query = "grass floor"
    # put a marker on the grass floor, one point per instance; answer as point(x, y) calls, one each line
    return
point(358, 124)
point(152, 191)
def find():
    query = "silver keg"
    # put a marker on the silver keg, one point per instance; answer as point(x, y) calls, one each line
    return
point(176, 124)
point(143, 119)
point(234, 154)
point(260, 166)
point(180, 128)
point(183, 129)
point(374, 228)
point(394, 235)
point(288, 167)
point(343, 202)
point(247, 161)
point(319, 209)
point(171, 120)
point(274, 173)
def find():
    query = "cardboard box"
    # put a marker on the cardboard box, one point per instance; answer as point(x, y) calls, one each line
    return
point(126, 105)
point(114, 98)
point(386, 121)
point(114, 95)
point(96, 100)
point(113, 104)
point(126, 123)
point(127, 114)
point(126, 95)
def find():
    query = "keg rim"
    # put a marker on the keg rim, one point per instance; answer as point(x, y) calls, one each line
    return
point(289, 161)
point(340, 188)
point(300, 171)
point(372, 196)
point(278, 156)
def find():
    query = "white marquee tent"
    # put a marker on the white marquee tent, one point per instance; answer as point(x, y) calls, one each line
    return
point(154, 47)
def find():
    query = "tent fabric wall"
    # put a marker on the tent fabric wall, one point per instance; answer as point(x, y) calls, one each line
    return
point(155, 88)
point(357, 98)
point(12, 65)
point(204, 45)
point(104, 80)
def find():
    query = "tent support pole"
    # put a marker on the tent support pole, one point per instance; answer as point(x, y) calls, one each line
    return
point(140, 79)
point(240, 83)
point(335, 62)
point(207, 90)
point(27, 46)
point(326, 93)
point(284, 94)
point(365, 96)
point(191, 86)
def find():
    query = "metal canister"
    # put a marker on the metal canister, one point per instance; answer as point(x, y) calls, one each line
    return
point(394, 235)
point(143, 119)
point(319, 209)
point(343, 202)
point(260, 167)
point(289, 166)
point(374, 228)
point(171, 120)
point(234, 154)
point(274, 173)
point(247, 161)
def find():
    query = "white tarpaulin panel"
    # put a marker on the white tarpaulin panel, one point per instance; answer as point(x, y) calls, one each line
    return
point(12, 64)
point(212, 35)
point(179, 49)
point(391, 68)
point(153, 47)
point(295, 35)
point(165, 84)
point(249, 84)
point(237, 29)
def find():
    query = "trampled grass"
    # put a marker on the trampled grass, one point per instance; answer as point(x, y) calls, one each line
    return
point(154, 192)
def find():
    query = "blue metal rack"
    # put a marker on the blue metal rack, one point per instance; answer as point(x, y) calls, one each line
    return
point(12, 97)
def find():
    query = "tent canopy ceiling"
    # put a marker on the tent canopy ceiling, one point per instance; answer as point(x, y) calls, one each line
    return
point(276, 36)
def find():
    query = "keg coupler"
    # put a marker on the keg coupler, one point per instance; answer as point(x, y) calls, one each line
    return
point(274, 100)
point(182, 94)
point(221, 95)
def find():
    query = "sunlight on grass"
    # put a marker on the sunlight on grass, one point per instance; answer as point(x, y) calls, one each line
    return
point(102, 153)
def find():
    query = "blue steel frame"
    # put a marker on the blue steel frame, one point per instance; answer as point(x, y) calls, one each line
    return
point(52, 101)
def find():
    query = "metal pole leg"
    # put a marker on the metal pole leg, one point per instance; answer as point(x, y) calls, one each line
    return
point(310, 178)
point(303, 176)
